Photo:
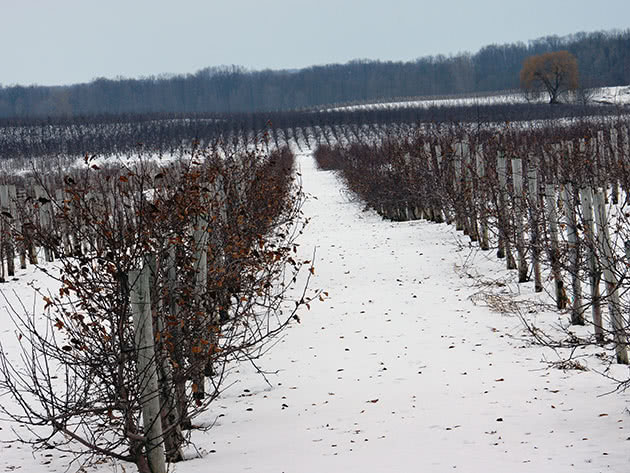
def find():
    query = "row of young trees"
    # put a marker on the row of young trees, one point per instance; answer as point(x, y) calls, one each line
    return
point(170, 274)
point(551, 197)
point(53, 140)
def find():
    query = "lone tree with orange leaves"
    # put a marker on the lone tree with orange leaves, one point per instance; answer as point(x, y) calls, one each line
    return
point(555, 73)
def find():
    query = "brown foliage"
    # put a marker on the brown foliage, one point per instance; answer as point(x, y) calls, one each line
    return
point(240, 213)
point(554, 73)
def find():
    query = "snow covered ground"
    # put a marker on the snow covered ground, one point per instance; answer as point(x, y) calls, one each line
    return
point(605, 95)
point(465, 100)
point(612, 95)
point(403, 368)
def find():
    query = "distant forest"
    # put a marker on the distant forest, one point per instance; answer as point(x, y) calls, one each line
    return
point(603, 58)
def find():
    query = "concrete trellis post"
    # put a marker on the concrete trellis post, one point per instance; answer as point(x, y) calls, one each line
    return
point(177, 355)
point(25, 228)
point(427, 204)
point(480, 166)
point(601, 167)
point(612, 293)
point(200, 236)
point(568, 198)
point(4, 230)
point(147, 369)
point(201, 257)
point(552, 220)
point(614, 158)
point(594, 273)
point(457, 187)
point(431, 209)
point(625, 154)
point(440, 212)
point(219, 220)
point(534, 224)
point(470, 213)
point(406, 212)
point(7, 222)
point(555, 162)
point(625, 135)
point(87, 242)
point(505, 249)
point(45, 217)
point(438, 157)
point(517, 180)
point(500, 227)
point(60, 197)
point(169, 412)
point(17, 223)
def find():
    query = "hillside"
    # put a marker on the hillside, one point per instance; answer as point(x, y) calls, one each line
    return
point(604, 60)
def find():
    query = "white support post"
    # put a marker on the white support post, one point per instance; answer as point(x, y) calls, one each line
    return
point(505, 248)
point(534, 223)
point(457, 188)
point(612, 293)
point(438, 213)
point(552, 220)
point(601, 167)
point(147, 370)
point(470, 214)
point(594, 273)
point(480, 166)
point(45, 219)
point(200, 236)
point(614, 164)
point(4, 229)
point(17, 223)
point(440, 175)
point(517, 181)
point(568, 198)
point(8, 222)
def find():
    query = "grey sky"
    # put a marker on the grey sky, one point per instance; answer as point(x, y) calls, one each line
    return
point(67, 41)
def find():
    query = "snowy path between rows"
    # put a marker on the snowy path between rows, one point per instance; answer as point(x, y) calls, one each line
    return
point(398, 370)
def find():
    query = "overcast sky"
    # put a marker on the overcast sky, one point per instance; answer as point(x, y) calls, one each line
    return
point(53, 42)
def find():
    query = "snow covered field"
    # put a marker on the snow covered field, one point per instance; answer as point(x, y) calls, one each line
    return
point(402, 369)
point(613, 95)
point(605, 95)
